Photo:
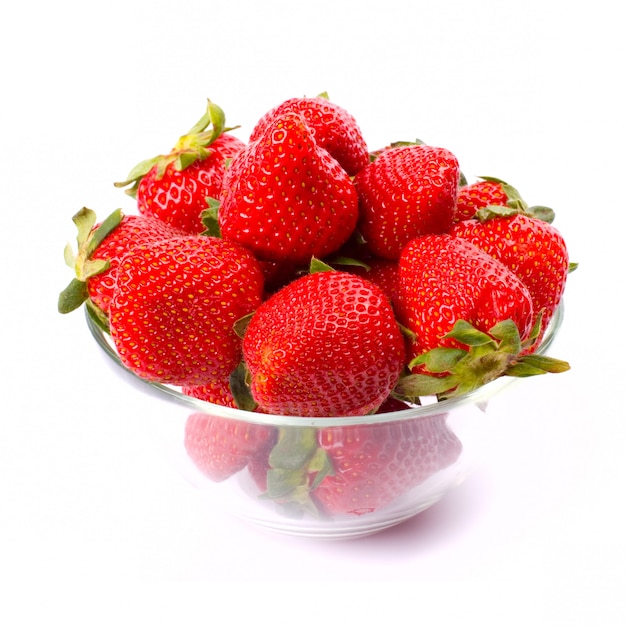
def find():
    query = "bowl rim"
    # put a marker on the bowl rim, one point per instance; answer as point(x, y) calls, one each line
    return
point(434, 407)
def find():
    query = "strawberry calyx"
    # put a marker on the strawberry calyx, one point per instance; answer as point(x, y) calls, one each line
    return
point(451, 372)
point(239, 382)
point(190, 147)
point(209, 218)
point(297, 465)
point(88, 239)
point(515, 204)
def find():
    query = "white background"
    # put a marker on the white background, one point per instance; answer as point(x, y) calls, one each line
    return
point(528, 91)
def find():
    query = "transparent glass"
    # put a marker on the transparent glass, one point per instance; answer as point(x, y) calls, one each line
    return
point(413, 457)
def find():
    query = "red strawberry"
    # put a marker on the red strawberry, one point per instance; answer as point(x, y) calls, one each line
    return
point(443, 279)
point(383, 273)
point(531, 248)
point(375, 464)
point(478, 195)
point(216, 391)
point(100, 248)
point(326, 344)
point(285, 198)
point(333, 127)
point(174, 187)
point(175, 304)
point(405, 192)
point(220, 447)
point(494, 192)
point(471, 315)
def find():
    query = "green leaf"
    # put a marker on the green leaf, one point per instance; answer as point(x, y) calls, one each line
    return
point(321, 465)
point(98, 316)
point(407, 332)
point(68, 255)
point(508, 334)
point(439, 360)
point(73, 296)
point(294, 448)
point(349, 261)
point(91, 268)
point(545, 363)
point(493, 211)
point(294, 460)
point(136, 174)
point(466, 333)
point(210, 218)
point(543, 213)
point(416, 385)
point(241, 325)
point(84, 220)
point(240, 388)
point(283, 483)
point(184, 160)
point(524, 370)
point(534, 332)
point(319, 266)
point(108, 225)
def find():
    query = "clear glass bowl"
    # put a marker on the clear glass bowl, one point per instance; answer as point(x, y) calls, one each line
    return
point(439, 442)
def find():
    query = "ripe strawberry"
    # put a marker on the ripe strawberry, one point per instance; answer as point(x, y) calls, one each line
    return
point(405, 192)
point(479, 195)
point(100, 248)
point(327, 344)
point(490, 192)
point(443, 279)
point(333, 127)
point(383, 273)
point(174, 187)
point(220, 447)
point(531, 248)
point(216, 391)
point(285, 198)
point(375, 464)
point(174, 306)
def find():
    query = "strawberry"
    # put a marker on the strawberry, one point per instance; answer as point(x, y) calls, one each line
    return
point(333, 127)
point(375, 464)
point(489, 191)
point(532, 249)
point(477, 195)
point(173, 187)
point(442, 279)
point(358, 469)
point(405, 192)
point(220, 447)
point(174, 306)
point(472, 317)
point(327, 344)
point(216, 391)
point(100, 248)
point(383, 273)
point(285, 198)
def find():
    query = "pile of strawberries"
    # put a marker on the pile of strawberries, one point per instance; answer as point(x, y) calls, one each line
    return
point(303, 274)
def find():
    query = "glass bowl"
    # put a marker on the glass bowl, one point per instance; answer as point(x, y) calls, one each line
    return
point(373, 471)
